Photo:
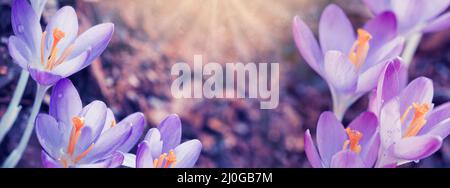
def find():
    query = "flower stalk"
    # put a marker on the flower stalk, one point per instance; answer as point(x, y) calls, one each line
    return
point(412, 43)
point(14, 108)
point(17, 153)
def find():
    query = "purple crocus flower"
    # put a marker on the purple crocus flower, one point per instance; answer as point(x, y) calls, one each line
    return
point(57, 52)
point(415, 15)
point(349, 63)
point(162, 149)
point(410, 129)
point(353, 147)
point(73, 136)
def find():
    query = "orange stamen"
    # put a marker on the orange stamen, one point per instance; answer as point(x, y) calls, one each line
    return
point(79, 157)
point(170, 160)
point(64, 55)
point(78, 123)
point(353, 141)
point(113, 123)
point(360, 48)
point(418, 120)
point(42, 47)
point(57, 36)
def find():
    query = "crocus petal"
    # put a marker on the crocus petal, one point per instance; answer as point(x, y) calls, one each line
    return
point(383, 28)
point(187, 153)
point(368, 79)
point(307, 45)
point(109, 142)
point(65, 102)
point(442, 129)
point(110, 120)
point(49, 162)
point(392, 80)
point(38, 6)
point(439, 114)
point(369, 155)
point(377, 6)
point(137, 123)
point(129, 160)
point(330, 137)
point(19, 51)
point(367, 124)
point(311, 151)
point(43, 77)
point(65, 19)
point(346, 159)
point(153, 138)
point(420, 91)
point(434, 8)
point(340, 72)
point(84, 141)
point(113, 161)
point(416, 147)
point(49, 134)
point(385, 53)
point(170, 129)
point(390, 125)
point(116, 160)
point(94, 117)
point(94, 41)
point(67, 68)
point(26, 25)
point(408, 12)
point(439, 24)
point(144, 157)
point(335, 30)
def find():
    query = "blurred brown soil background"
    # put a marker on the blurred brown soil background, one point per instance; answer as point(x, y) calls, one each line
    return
point(133, 74)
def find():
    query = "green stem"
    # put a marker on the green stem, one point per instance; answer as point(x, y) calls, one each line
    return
point(17, 153)
point(14, 108)
point(410, 49)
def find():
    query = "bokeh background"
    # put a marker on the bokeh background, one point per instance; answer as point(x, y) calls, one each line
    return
point(133, 74)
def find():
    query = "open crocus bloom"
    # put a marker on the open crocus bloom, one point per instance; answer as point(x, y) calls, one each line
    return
point(73, 136)
point(353, 147)
point(349, 63)
point(162, 149)
point(415, 15)
point(410, 129)
point(57, 52)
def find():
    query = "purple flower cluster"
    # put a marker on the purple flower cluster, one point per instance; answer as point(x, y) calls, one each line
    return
point(75, 136)
point(72, 135)
point(402, 124)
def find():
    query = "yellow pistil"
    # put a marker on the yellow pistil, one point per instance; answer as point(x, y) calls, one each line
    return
point(169, 159)
point(360, 48)
point(354, 137)
point(418, 120)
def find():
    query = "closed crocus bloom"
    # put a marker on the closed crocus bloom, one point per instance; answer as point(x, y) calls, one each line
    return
point(410, 128)
point(162, 149)
point(415, 15)
point(353, 147)
point(76, 136)
point(349, 62)
point(56, 52)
